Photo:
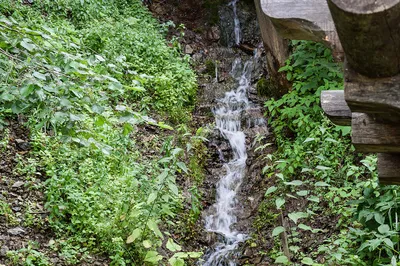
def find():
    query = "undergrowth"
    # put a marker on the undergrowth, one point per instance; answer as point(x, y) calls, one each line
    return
point(88, 76)
point(335, 211)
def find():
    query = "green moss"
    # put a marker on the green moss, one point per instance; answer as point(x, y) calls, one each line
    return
point(268, 88)
point(212, 7)
point(210, 67)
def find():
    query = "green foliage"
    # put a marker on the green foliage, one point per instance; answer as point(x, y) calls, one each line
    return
point(28, 256)
point(317, 167)
point(120, 58)
point(87, 75)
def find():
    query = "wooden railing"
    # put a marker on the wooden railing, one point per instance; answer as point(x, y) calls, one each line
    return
point(368, 32)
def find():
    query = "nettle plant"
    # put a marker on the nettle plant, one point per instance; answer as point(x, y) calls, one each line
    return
point(316, 163)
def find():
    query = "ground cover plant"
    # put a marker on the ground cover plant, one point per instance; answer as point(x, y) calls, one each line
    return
point(89, 78)
point(327, 205)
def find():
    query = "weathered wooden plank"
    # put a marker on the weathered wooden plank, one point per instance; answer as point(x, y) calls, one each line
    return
point(335, 107)
point(276, 49)
point(372, 95)
point(303, 20)
point(375, 133)
point(389, 168)
point(369, 33)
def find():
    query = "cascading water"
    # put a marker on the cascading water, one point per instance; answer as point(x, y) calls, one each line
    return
point(236, 22)
point(228, 114)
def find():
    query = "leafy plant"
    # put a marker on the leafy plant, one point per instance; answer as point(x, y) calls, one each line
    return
point(317, 167)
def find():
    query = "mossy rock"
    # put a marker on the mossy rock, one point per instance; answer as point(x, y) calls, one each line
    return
point(210, 67)
point(268, 88)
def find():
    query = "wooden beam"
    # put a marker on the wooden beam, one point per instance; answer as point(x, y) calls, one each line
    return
point(375, 133)
point(389, 168)
point(335, 107)
point(372, 95)
point(302, 20)
point(276, 50)
point(369, 33)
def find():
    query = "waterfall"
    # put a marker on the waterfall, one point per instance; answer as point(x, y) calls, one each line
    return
point(236, 22)
point(228, 114)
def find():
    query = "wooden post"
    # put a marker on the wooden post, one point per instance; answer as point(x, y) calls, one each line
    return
point(335, 107)
point(389, 168)
point(369, 33)
point(303, 20)
point(277, 51)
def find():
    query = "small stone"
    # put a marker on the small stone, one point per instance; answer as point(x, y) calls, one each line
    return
point(22, 144)
point(18, 184)
point(16, 209)
point(3, 251)
point(188, 49)
point(214, 34)
point(19, 141)
point(16, 231)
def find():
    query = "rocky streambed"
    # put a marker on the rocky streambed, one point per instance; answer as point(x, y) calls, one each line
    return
point(214, 49)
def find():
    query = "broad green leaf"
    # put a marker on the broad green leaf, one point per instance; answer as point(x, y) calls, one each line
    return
point(278, 230)
point(138, 89)
point(182, 166)
point(308, 140)
point(307, 261)
point(164, 126)
point(302, 193)
point(271, 190)
point(279, 202)
point(147, 243)
point(332, 140)
point(384, 229)
point(323, 168)
point(282, 259)
point(135, 234)
point(321, 184)
point(152, 257)
point(26, 43)
point(313, 199)
point(393, 261)
point(388, 242)
point(27, 90)
point(5, 96)
point(176, 261)
point(172, 246)
point(173, 188)
point(152, 197)
point(294, 183)
point(379, 218)
point(305, 227)
point(152, 225)
point(39, 75)
point(295, 216)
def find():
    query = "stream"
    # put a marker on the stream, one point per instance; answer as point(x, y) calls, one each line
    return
point(229, 112)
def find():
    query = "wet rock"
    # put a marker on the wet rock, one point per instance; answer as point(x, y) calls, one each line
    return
point(188, 49)
point(22, 144)
point(249, 34)
point(18, 184)
point(16, 231)
point(3, 251)
point(213, 34)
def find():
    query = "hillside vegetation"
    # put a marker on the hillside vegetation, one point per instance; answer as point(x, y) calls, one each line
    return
point(335, 212)
point(89, 78)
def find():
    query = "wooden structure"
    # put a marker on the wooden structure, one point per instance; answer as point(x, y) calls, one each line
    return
point(369, 33)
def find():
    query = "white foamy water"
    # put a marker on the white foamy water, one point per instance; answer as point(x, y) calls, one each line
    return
point(228, 115)
point(236, 21)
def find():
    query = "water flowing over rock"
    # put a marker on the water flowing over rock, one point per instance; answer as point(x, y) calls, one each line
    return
point(228, 115)
point(232, 16)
